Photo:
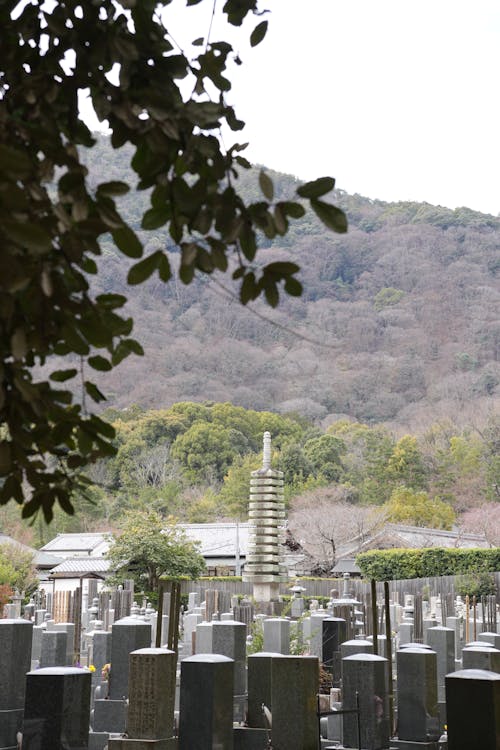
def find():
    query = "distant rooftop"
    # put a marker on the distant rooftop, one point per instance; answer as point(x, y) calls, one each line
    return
point(93, 543)
point(80, 566)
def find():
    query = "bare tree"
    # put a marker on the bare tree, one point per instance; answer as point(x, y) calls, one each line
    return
point(483, 519)
point(322, 519)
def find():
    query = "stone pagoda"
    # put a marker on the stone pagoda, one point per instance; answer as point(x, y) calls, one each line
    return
point(264, 561)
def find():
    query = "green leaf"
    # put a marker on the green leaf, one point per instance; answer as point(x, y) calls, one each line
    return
point(128, 242)
point(111, 301)
point(113, 188)
point(266, 185)
point(293, 287)
point(272, 294)
point(61, 375)
point(100, 363)
point(29, 236)
point(331, 216)
point(295, 210)
point(282, 268)
point(156, 217)
point(13, 162)
point(316, 188)
point(126, 347)
point(5, 457)
point(143, 270)
point(94, 392)
point(258, 33)
point(248, 288)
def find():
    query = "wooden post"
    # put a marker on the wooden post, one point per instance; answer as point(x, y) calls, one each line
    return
point(467, 615)
point(389, 655)
point(160, 614)
point(374, 616)
point(474, 619)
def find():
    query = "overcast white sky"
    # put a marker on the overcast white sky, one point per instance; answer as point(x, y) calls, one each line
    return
point(396, 99)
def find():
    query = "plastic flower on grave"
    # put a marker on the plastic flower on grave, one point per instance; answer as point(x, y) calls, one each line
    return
point(105, 672)
point(91, 668)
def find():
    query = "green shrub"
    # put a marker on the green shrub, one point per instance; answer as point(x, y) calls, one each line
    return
point(393, 564)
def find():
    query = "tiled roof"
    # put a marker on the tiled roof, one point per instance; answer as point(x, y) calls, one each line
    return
point(81, 566)
point(75, 542)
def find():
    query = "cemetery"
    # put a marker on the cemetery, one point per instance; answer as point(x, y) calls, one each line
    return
point(378, 664)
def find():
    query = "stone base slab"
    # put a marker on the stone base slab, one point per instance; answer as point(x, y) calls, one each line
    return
point(127, 743)
point(247, 738)
point(410, 745)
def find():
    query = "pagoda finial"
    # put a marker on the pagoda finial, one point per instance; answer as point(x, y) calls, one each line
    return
point(266, 458)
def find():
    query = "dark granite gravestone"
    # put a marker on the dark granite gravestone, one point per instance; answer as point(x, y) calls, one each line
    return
point(365, 674)
point(418, 716)
point(294, 685)
point(334, 631)
point(473, 709)
point(206, 703)
point(56, 714)
point(15, 661)
point(259, 687)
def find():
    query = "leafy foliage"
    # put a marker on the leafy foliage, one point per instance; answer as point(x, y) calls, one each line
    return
point(52, 234)
point(388, 565)
point(418, 509)
point(150, 547)
point(17, 570)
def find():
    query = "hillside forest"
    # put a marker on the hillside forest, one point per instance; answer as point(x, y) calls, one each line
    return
point(379, 384)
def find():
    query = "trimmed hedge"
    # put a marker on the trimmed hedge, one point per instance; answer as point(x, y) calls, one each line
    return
point(398, 564)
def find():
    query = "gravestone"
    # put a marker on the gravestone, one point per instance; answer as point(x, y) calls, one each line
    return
point(56, 714)
point(356, 646)
point(150, 716)
point(473, 709)
point(405, 632)
point(365, 675)
point(442, 641)
point(15, 661)
point(127, 635)
point(259, 687)
point(54, 649)
point(334, 633)
point(417, 696)
point(294, 684)
point(276, 635)
point(69, 629)
point(493, 639)
point(206, 703)
point(481, 657)
point(229, 639)
point(204, 638)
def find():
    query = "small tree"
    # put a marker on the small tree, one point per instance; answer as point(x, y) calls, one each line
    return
point(16, 568)
point(151, 546)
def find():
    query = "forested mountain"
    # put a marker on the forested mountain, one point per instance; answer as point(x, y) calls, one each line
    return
point(399, 321)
